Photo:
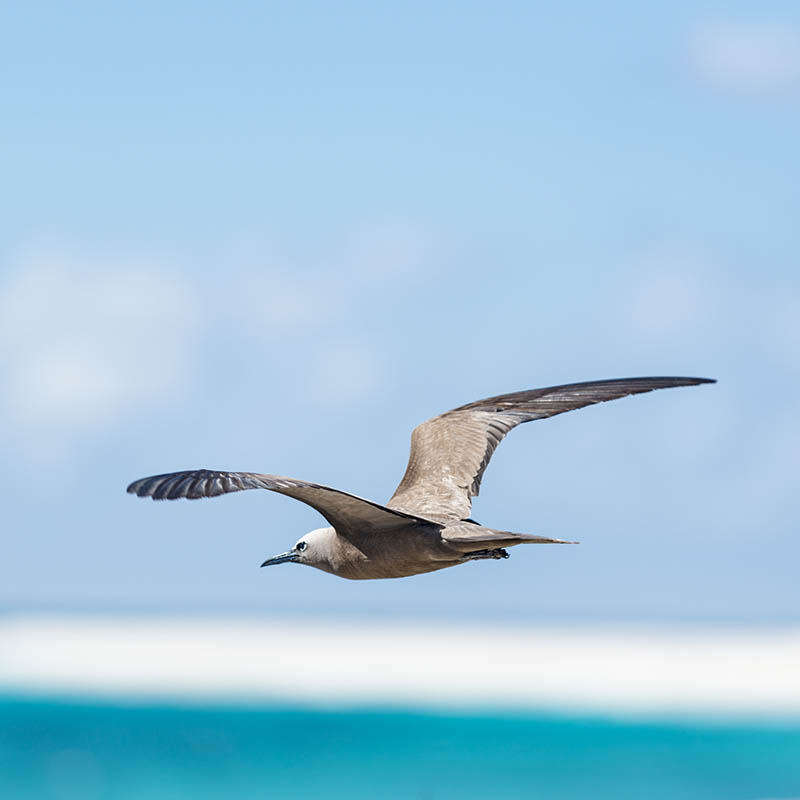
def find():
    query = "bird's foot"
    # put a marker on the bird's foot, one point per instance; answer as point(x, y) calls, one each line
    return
point(498, 553)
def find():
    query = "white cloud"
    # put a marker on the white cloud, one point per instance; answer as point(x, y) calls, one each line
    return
point(267, 294)
point(750, 57)
point(782, 328)
point(670, 295)
point(347, 371)
point(88, 340)
point(679, 304)
point(391, 254)
point(763, 492)
point(269, 291)
point(85, 338)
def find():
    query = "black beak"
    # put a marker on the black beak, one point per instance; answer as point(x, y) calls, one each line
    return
point(290, 555)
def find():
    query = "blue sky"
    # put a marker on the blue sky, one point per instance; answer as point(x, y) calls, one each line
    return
point(276, 238)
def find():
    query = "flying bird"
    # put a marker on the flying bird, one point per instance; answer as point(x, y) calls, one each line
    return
point(426, 525)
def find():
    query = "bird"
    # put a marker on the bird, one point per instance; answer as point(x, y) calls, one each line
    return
point(426, 525)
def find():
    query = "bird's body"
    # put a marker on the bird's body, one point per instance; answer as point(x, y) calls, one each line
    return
point(360, 556)
point(425, 526)
point(411, 551)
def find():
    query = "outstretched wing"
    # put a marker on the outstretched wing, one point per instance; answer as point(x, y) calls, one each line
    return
point(346, 512)
point(449, 453)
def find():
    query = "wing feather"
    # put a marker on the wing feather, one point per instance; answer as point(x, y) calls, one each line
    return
point(450, 453)
point(346, 512)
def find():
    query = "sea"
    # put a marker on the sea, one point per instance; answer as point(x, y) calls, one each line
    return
point(61, 747)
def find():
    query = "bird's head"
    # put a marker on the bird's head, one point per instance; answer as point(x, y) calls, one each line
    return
point(312, 549)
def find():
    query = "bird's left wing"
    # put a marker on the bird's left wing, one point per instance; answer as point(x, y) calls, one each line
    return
point(346, 512)
point(449, 453)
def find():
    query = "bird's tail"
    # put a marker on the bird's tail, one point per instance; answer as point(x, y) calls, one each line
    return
point(467, 537)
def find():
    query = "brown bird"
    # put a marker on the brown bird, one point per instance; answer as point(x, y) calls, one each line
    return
point(426, 524)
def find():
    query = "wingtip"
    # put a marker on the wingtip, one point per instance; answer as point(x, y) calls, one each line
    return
point(135, 488)
point(687, 380)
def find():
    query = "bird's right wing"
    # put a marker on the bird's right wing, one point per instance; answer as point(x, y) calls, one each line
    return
point(346, 512)
point(449, 453)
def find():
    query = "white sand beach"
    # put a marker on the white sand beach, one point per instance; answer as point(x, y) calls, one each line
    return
point(603, 670)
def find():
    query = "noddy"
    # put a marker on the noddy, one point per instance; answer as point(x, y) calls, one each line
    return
point(426, 525)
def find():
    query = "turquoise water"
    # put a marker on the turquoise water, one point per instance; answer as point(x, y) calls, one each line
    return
point(96, 750)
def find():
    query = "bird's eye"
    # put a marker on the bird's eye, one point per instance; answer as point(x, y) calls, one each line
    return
point(301, 546)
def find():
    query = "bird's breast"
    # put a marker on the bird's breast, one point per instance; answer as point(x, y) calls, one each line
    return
point(390, 555)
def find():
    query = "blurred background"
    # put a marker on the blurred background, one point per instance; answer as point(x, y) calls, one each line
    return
point(276, 238)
